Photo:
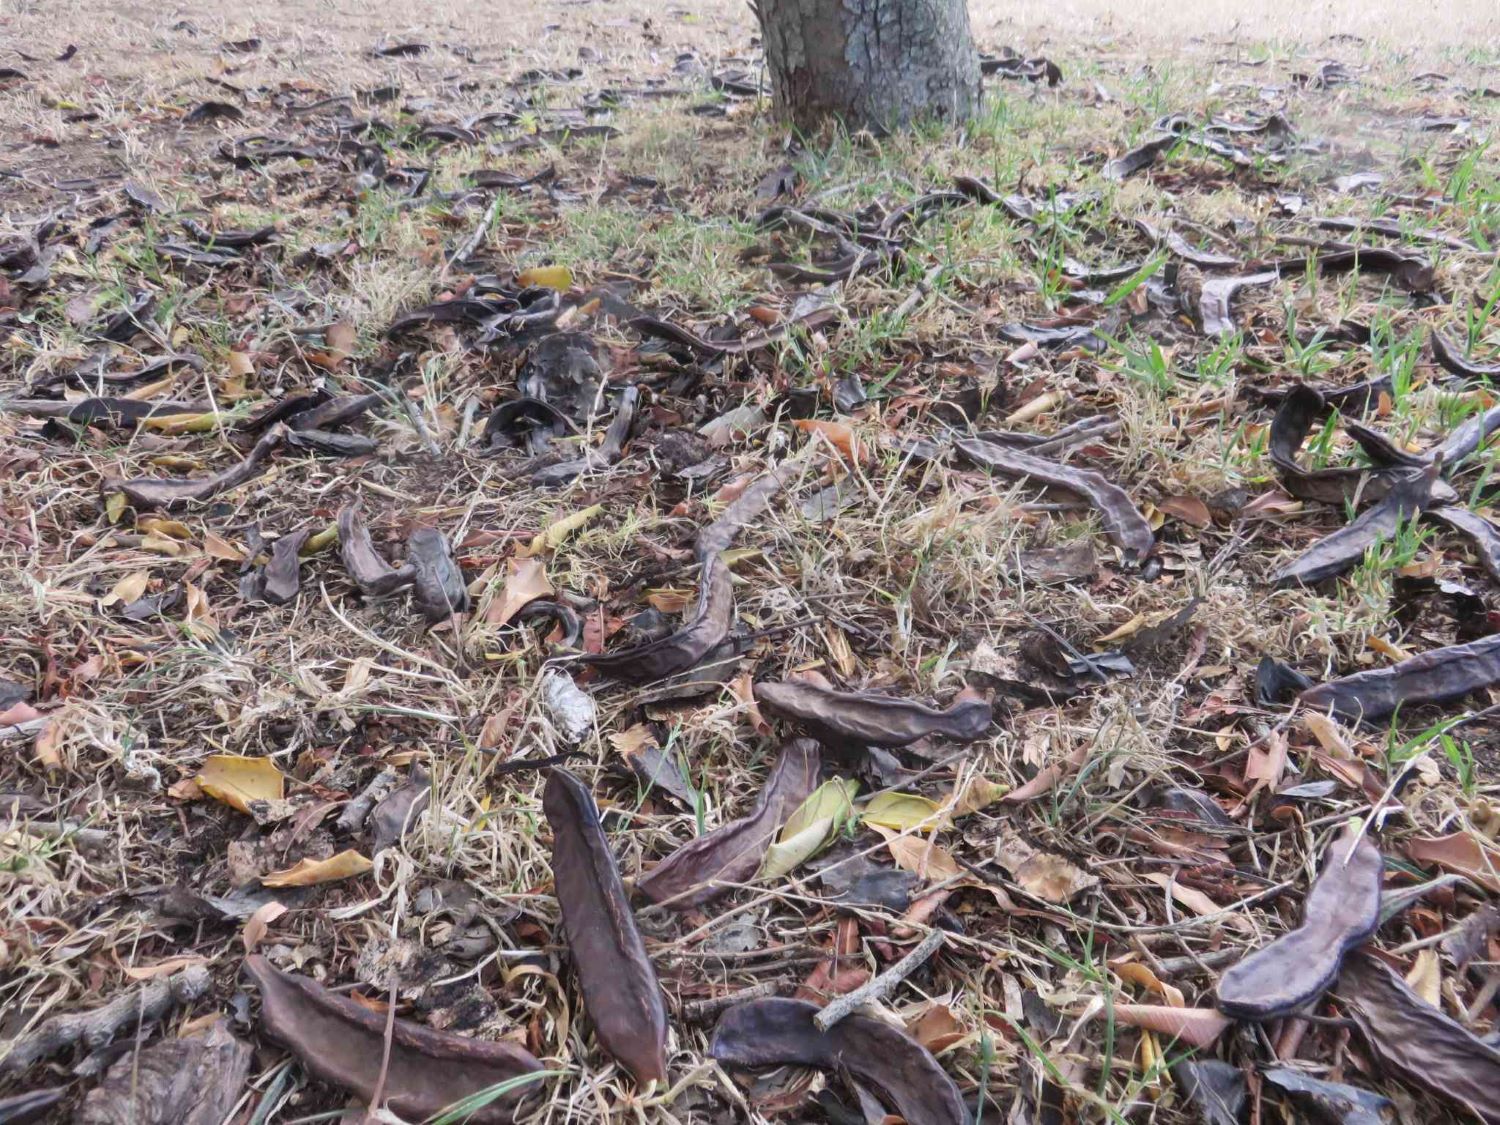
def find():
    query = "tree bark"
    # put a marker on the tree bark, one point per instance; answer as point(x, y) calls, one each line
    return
point(873, 64)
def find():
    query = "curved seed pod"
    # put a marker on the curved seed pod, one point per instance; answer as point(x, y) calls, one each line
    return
point(738, 514)
point(371, 573)
point(1336, 553)
point(1483, 535)
point(282, 574)
point(1419, 1042)
point(732, 853)
point(1431, 677)
point(438, 588)
point(1341, 911)
point(177, 493)
point(1466, 438)
point(1123, 522)
point(342, 1043)
point(615, 976)
point(666, 330)
point(1216, 297)
point(778, 1032)
point(1450, 356)
point(686, 647)
point(874, 720)
point(334, 412)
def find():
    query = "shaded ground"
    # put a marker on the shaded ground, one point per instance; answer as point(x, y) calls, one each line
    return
point(626, 145)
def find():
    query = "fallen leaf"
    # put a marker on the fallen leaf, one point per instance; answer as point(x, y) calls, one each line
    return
point(1265, 763)
point(240, 781)
point(840, 434)
point(978, 792)
point(903, 812)
point(525, 581)
point(811, 827)
point(126, 590)
point(258, 925)
point(1189, 509)
point(548, 277)
point(1461, 853)
point(222, 549)
point(1049, 877)
point(164, 968)
point(1196, 1027)
point(1426, 977)
point(306, 872)
point(631, 742)
point(921, 857)
point(172, 529)
point(1196, 901)
point(554, 535)
point(1142, 976)
point(937, 1028)
point(671, 600)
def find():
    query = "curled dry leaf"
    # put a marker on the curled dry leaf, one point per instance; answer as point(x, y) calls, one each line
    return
point(696, 872)
point(1049, 877)
point(343, 1043)
point(1126, 527)
point(617, 979)
point(307, 872)
point(871, 720)
point(1419, 1042)
point(1430, 677)
point(239, 781)
point(525, 581)
point(811, 827)
point(1342, 910)
point(258, 925)
point(174, 493)
point(776, 1032)
point(1197, 1027)
point(1462, 853)
point(683, 649)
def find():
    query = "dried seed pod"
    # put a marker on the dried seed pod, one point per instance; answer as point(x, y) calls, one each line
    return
point(1445, 673)
point(686, 647)
point(872, 720)
point(618, 982)
point(1342, 910)
point(177, 493)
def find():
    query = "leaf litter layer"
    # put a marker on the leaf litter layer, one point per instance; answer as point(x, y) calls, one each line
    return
point(390, 442)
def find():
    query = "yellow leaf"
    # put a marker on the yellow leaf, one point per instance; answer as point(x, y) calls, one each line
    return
point(525, 581)
point(670, 600)
point(1129, 629)
point(306, 872)
point(903, 812)
point(811, 827)
point(239, 781)
point(218, 548)
point(921, 857)
point(200, 616)
point(161, 545)
point(172, 529)
point(553, 536)
point(549, 277)
point(114, 506)
point(240, 365)
point(978, 793)
point(321, 540)
point(183, 423)
point(127, 589)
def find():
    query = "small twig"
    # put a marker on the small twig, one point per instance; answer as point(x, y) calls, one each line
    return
point(701, 1011)
point(385, 1054)
point(471, 243)
point(877, 987)
point(923, 288)
point(353, 816)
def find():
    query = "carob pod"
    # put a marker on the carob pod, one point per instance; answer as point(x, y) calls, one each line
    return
point(438, 588)
point(778, 1032)
point(1123, 522)
point(733, 852)
point(372, 574)
point(1346, 547)
point(1450, 356)
point(872, 720)
point(683, 649)
point(175, 493)
point(343, 1043)
point(616, 978)
point(1419, 1042)
point(1342, 910)
point(1444, 673)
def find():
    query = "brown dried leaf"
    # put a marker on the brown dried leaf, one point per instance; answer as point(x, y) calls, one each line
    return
point(1462, 853)
point(1196, 1027)
point(348, 864)
point(525, 581)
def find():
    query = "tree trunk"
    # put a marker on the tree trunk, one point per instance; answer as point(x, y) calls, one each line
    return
point(874, 64)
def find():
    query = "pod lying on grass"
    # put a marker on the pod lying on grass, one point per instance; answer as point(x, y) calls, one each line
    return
point(1346, 547)
point(618, 982)
point(173, 493)
point(683, 649)
point(871, 720)
point(1431, 677)
point(344, 1043)
point(372, 574)
point(1342, 910)
point(1417, 1041)
point(779, 1032)
point(732, 853)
